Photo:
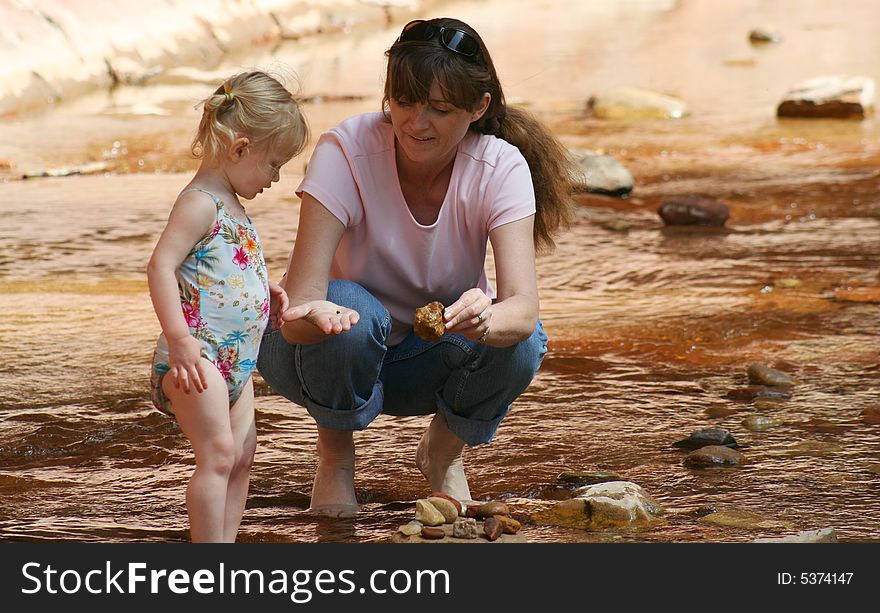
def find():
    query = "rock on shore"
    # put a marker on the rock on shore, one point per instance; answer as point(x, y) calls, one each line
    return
point(59, 49)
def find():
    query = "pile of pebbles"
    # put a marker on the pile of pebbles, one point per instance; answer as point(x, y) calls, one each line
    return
point(441, 517)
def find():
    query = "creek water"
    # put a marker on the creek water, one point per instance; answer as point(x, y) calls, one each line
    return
point(650, 328)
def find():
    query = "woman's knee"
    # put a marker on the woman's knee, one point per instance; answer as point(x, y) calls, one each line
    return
point(526, 358)
point(374, 324)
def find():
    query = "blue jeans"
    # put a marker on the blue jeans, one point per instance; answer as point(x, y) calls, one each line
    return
point(346, 380)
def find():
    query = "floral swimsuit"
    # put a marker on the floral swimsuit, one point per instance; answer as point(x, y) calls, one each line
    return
point(224, 294)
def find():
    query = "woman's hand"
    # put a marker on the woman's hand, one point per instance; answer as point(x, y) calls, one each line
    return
point(185, 364)
point(328, 317)
point(469, 315)
point(278, 303)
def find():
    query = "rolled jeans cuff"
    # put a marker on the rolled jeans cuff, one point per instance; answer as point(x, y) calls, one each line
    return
point(352, 419)
point(471, 431)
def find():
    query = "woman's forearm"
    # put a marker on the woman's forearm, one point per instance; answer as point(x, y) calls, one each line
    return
point(513, 320)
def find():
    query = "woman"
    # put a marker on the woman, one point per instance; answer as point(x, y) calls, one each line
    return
point(397, 208)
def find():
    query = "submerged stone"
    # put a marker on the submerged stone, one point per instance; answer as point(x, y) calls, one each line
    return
point(761, 374)
point(706, 437)
point(753, 392)
point(825, 535)
point(693, 210)
point(760, 423)
point(713, 455)
point(587, 478)
point(634, 103)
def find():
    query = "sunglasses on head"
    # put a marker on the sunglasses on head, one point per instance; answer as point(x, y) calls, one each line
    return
point(454, 39)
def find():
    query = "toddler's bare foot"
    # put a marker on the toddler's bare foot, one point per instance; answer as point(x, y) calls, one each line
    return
point(333, 489)
point(439, 457)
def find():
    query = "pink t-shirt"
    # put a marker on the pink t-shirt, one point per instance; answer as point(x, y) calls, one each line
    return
point(404, 264)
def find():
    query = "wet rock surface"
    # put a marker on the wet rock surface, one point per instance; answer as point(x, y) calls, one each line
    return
point(713, 455)
point(626, 103)
point(617, 504)
point(428, 323)
point(601, 174)
point(761, 374)
point(835, 97)
point(692, 210)
point(825, 535)
point(579, 479)
point(738, 518)
point(760, 423)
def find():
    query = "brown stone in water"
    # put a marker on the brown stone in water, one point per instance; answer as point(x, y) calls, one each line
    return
point(428, 323)
point(492, 528)
point(509, 524)
point(433, 533)
point(692, 210)
point(488, 509)
point(713, 455)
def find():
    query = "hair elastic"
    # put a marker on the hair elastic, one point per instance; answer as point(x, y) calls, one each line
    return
point(229, 96)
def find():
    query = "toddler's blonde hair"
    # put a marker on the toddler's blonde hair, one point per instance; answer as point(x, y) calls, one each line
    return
point(254, 105)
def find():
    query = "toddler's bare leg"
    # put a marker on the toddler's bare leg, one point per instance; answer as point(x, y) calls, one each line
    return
point(204, 419)
point(244, 433)
point(333, 490)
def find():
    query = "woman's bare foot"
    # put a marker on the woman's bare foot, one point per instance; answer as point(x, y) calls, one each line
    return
point(333, 489)
point(439, 457)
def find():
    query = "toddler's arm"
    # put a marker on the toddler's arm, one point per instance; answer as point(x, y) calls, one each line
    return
point(192, 216)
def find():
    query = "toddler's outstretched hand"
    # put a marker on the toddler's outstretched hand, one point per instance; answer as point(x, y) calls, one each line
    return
point(185, 364)
point(278, 303)
point(328, 317)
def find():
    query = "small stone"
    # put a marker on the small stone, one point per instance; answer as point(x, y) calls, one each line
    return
point(428, 514)
point(465, 528)
point(432, 533)
point(706, 437)
point(713, 455)
point(693, 210)
point(834, 96)
point(760, 423)
point(825, 535)
point(488, 509)
point(446, 508)
point(579, 479)
point(765, 35)
point(788, 283)
point(411, 528)
point(428, 323)
point(753, 392)
point(735, 518)
point(458, 505)
point(510, 525)
point(492, 528)
point(761, 374)
point(768, 404)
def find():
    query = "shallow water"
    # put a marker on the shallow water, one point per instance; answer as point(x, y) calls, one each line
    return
point(650, 328)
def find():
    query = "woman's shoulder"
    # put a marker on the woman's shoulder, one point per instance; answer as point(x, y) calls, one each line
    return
point(491, 150)
point(364, 134)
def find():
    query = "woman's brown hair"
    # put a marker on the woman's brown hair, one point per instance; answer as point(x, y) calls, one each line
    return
point(414, 65)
